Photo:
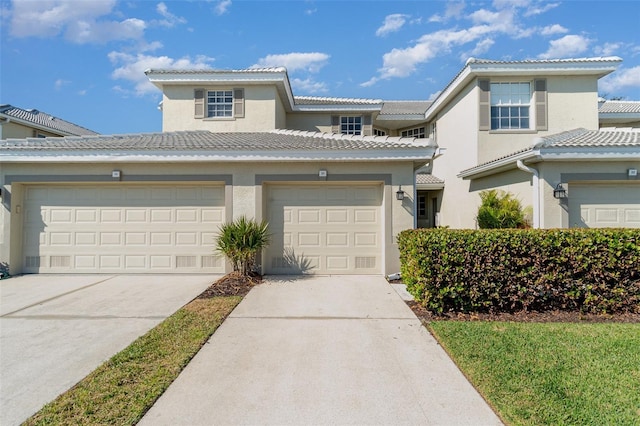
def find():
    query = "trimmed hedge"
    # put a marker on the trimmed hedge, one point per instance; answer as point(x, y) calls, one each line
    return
point(587, 270)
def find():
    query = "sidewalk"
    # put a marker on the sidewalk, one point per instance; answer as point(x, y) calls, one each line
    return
point(321, 350)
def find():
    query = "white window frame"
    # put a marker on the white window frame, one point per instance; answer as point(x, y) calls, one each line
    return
point(351, 124)
point(379, 132)
point(416, 132)
point(511, 105)
point(227, 101)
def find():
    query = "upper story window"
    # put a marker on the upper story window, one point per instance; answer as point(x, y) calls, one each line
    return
point(418, 132)
point(351, 125)
point(510, 105)
point(379, 132)
point(219, 103)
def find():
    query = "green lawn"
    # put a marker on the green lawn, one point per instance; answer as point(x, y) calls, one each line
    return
point(550, 373)
point(121, 390)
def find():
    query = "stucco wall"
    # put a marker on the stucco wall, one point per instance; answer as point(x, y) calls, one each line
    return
point(457, 127)
point(13, 130)
point(311, 122)
point(572, 102)
point(260, 111)
point(243, 197)
point(555, 212)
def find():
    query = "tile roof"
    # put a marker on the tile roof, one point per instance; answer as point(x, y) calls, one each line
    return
point(545, 61)
point(278, 140)
point(614, 107)
point(316, 100)
point(404, 107)
point(577, 138)
point(213, 70)
point(44, 120)
point(583, 138)
point(428, 179)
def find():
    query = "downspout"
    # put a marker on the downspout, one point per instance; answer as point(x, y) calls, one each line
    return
point(536, 191)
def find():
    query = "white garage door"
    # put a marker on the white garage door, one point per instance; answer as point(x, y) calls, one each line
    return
point(604, 205)
point(324, 229)
point(109, 228)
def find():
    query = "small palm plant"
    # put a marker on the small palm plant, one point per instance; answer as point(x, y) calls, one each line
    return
point(500, 209)
point(240, 241)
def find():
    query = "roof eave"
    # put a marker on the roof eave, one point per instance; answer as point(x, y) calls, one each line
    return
point(28, 123)
point(498, 166)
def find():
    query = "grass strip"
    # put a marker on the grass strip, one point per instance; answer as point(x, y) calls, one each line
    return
point(550, 373)
point(123, 389)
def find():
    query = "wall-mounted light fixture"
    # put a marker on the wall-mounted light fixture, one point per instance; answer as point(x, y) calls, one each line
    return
point(116, 175)
point(559, 191)
point(400, 194)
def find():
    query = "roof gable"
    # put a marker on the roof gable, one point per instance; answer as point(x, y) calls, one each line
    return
point(43, 120)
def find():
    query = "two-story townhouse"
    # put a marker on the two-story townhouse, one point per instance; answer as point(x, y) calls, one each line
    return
point(532, 128)
point(336, 178)
point(20, 123)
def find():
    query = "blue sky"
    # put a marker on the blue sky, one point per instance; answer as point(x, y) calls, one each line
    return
point(84, 61)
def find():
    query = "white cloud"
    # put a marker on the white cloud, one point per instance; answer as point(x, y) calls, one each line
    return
point(621, 80)
point(482, 47)
point(308, 86)
point(553, 29)
point(392, 23)
point(60, 83)
point(310, 62)
point(608, 49)
point(454, 9)
point(565, 47)
point(310, 11)
point(79, 21)
point(222, 7)
point(540, 8)
point(170, 20)
point(131, 68)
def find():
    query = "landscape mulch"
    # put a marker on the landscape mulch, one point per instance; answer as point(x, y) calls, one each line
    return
point(232, 284)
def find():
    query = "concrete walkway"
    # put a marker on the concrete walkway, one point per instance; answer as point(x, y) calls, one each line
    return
point(56, 329)
point(321, 350)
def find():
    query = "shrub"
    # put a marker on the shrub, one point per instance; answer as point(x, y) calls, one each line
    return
point(499, 209)
point(588, 270)
point(240, 241)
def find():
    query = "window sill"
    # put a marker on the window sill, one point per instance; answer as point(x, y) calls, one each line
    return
point(219, 119)
point(513, 131)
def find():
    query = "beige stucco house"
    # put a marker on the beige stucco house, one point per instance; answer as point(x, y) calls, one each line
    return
point(336, 178)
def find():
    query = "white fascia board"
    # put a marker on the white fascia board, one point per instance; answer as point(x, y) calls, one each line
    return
point(615, 116)
point(589, 154)
point(400, 117)
point(337, 108)
point(278, 78)
point(497, 166)
point(429, 186)
point(231, 156)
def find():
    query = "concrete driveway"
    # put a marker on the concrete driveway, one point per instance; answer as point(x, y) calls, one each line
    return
point(321, 350)
point(56, 329)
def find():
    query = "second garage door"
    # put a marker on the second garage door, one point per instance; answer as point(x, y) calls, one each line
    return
point(122, 228)
point(604, 205)
point(324, 229)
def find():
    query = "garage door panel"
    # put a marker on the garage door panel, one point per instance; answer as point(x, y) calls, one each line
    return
point(600, 205)
point(128, 229)
point(324, 229)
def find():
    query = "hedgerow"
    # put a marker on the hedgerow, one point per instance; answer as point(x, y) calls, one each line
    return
point(586, 270)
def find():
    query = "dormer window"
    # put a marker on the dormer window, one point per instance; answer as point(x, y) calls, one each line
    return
point(418, 132)
point(510, 105)
point(218, 104)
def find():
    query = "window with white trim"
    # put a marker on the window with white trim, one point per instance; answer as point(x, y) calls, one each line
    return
point(510, 105)
point(351, 125)
point(379, 132)
point(418, 132)
point(219, 103)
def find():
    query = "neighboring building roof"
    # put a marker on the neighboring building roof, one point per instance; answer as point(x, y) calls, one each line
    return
point(280, 145)
point(404, 107)
point(214, 71)
point(616, 107)
point(315, 100)
point(42, 120)
point(607, 143)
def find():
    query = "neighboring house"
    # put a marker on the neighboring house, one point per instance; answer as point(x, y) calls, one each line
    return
point(337, 178)
point(18, 123)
